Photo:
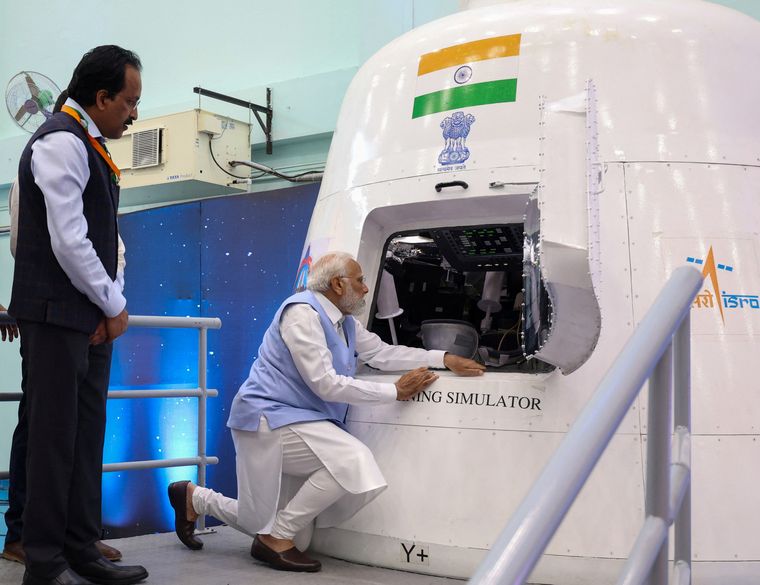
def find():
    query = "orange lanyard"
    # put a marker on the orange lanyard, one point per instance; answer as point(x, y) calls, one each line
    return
point(115, 172)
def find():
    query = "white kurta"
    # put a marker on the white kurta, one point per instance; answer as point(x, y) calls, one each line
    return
point(263, 486)
point(302, 333)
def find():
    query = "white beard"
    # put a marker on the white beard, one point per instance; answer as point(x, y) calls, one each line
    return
point(352, 303)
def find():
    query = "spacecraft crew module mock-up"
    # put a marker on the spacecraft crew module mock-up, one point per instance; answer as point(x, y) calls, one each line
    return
point(518, 181)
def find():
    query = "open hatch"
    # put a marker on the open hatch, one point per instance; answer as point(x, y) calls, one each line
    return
point(463, 290)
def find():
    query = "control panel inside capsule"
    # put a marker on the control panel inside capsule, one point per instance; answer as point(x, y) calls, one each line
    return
point(462, 290)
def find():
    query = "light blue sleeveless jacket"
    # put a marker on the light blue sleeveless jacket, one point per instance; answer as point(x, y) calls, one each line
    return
point(274, 387)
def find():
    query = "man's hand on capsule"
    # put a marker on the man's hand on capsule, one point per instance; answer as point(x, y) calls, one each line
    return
point(414, 382)
point(462, 366)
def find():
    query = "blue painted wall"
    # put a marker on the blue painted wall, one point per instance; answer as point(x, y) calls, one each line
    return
point(235, 258)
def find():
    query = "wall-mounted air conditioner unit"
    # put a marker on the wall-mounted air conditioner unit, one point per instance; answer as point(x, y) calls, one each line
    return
point(171, 158)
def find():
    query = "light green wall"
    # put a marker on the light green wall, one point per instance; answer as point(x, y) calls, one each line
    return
point(306, 50)
point(751, 7)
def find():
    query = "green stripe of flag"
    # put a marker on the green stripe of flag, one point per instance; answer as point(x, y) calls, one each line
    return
point(477, 94)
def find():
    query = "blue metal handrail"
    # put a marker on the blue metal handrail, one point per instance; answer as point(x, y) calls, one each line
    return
point(661, 338)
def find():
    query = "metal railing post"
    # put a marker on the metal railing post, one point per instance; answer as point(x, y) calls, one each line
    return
point(202, 343)
point(645, 549)
point(682, 419)
point(201, 460)
point(517, 549)
point(659, 431)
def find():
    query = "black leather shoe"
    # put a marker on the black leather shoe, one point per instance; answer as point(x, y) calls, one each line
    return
point(104, 572)
point(68, 577)
point(289, 560)
point(182, 526)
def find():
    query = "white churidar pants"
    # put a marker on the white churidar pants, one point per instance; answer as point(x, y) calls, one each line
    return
point(331, 473)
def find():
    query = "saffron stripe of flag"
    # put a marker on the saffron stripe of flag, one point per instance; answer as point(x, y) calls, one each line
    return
point(476, 94)
point(480, 50)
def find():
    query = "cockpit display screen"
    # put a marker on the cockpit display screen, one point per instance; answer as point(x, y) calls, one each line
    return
point(481, 247)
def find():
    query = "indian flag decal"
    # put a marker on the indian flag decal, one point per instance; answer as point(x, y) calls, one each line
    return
point(471, 74)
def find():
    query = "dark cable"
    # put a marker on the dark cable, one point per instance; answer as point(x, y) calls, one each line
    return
point(220, 166)
point(272, 172)
point(279, 175)
point(307, 172)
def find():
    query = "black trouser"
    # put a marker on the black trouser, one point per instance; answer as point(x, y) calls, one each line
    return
point(17, 467)
point(66, 388)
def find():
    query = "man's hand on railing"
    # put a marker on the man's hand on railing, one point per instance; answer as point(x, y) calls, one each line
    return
point(9, 332)
point(115, 326)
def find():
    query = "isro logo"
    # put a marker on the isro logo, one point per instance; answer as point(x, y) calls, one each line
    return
point(303, 271)
point(719, 297)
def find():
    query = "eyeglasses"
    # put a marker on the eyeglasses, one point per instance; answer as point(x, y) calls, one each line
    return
point(360, 279)
point(131, 102)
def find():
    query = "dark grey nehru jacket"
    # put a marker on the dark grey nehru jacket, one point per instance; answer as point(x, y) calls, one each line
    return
point(42, 292)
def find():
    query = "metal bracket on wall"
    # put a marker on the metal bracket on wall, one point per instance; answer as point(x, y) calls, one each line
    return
point(255, 108)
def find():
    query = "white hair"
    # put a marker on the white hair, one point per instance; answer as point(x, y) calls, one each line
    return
point(325, 269)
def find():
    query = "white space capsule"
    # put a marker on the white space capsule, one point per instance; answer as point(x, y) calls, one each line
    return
point(585, 150)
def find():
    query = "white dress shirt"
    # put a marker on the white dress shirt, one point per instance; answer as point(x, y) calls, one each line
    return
point(60, 169)
point(13, 210)
point(302, 332)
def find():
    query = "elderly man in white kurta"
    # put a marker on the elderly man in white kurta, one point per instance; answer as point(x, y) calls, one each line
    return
point(288, 419)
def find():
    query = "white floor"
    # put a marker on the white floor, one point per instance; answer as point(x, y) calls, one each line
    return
point(225, 560)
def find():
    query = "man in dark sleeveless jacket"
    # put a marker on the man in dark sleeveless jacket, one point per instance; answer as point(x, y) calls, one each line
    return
point(70, 308)
point(13, 550)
